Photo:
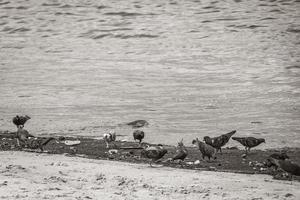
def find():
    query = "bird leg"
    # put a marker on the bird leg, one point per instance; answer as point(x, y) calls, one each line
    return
point(181, 163)
point(150, 163)
point(107, 146)
point(18, 142)
point(221, 151)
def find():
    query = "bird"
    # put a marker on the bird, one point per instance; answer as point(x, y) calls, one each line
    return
point(38, 143)
point(109, 137)
point(218, 142)
point(249, 142)
point(181, 152)
point(280, 156)
point(287, 166)
point(138, 135)
point(277, 156)
point(138, 123)
point(20, 120)
point(154, 153)
point(205, 149)
point(22, 135)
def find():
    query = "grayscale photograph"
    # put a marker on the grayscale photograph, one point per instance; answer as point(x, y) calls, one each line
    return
point(150, 99)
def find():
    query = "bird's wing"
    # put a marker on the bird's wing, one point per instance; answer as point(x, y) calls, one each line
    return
point(179, 155)
point(154, 153)
point(251, 142)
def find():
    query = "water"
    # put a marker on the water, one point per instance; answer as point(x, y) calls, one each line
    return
point(190, 68)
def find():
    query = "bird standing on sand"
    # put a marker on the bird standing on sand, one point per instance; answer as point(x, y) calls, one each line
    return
point(20, 120)
point(218, 142)
point(205, 149)
point(249, 142)
point(138, 135)
point(287, 166)
point(22, 135)
point(277, 156)
point(181, 152)
point(109, 137)
point(280, 156)
point(38, 143)
point(154, 153)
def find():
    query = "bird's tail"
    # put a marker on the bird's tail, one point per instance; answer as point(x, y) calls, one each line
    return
point(231, 133)
point(236, 138)
point(47, 141)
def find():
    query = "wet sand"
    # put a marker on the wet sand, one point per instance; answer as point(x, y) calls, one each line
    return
point(232, 159)
point(42, 176)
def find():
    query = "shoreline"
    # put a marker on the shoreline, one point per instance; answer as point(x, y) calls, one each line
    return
point(230, 161)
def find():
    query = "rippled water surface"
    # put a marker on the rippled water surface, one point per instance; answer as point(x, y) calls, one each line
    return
point(190, 68)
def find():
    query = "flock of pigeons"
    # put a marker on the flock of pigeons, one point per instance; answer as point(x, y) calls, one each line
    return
point(208, 147)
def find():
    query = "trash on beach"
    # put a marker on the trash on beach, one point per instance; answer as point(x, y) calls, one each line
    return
point(262, 169)
point(113, 151)
point(72, 142)
point(212, 168)
point(197, 162)
point(244, 155)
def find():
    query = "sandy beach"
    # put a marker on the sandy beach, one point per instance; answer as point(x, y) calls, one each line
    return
point(43, 176)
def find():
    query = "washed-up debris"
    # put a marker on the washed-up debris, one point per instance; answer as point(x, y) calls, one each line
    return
point(262, 169)
point(212, 168)
point(113, 151)
point(197, 162)
point(71, 142)
point(256, 164)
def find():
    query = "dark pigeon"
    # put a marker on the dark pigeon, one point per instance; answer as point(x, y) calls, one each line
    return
point(138, 135)
point(218, 142)
point(205, 149)
point(287, 166)
point(249, 142)
point(154, 153)
point(181, 152)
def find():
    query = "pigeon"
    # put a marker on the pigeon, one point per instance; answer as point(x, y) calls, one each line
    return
point(154, 153)
point(205, 149)
point(38, 143)
point(181, 152)
point(20, 120)
point(138, 135)
point(287, 166)
point(138, 123)
point(280, 156)
point(109, 137)
point(249, 142)
point(22, 135)
point(277, 156)
point(218, 142)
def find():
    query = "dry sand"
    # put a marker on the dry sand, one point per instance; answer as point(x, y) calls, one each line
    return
point(43, 176)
